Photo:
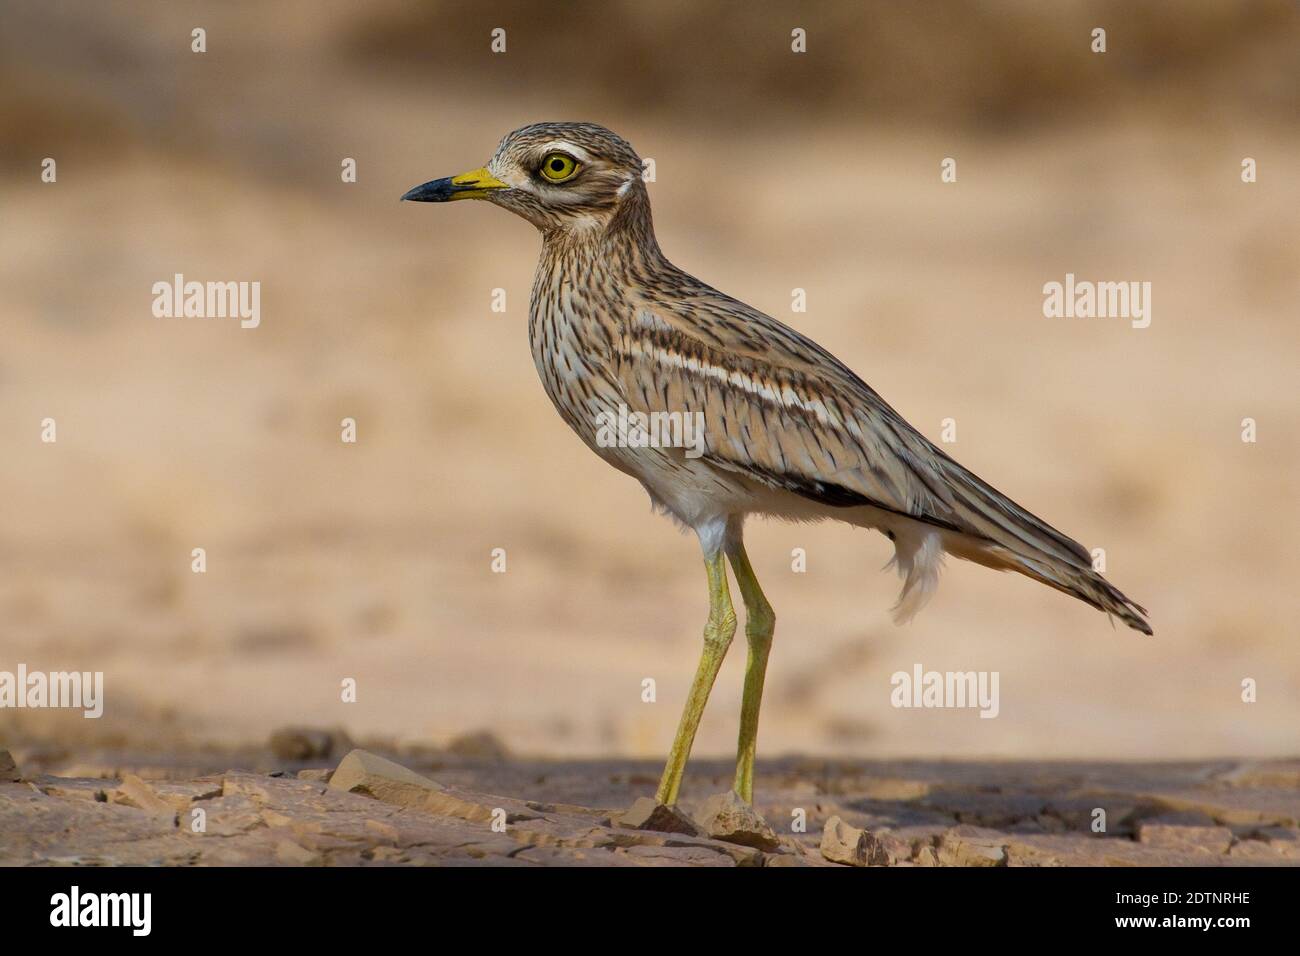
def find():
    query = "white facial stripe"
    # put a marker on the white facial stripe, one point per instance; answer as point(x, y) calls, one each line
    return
point(559, 145)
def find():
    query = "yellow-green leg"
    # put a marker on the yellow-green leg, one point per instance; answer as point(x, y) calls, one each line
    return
point(760, 622)
point(718, 633)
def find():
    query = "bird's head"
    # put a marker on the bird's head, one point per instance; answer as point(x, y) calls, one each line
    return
point(561, 177)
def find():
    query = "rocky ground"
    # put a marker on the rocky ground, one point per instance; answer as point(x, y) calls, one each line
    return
point(300, 803)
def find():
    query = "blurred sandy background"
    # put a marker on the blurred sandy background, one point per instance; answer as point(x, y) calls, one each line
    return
point(775, 171)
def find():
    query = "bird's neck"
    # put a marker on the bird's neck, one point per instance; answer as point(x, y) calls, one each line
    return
point(621, 245)
point(583, 290)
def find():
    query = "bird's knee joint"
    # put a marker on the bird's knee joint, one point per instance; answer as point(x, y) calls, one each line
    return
point(720, 630)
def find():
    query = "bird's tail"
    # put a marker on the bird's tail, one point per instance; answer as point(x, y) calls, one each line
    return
point(978, 523)
point(1079, 581)
point(1010, 538)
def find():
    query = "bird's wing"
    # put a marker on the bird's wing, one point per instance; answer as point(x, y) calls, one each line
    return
point(781, 410)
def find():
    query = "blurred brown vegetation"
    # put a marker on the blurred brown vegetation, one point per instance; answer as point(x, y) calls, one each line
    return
point(85, 76)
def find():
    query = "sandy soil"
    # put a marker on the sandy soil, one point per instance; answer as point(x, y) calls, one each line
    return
point(124, 808)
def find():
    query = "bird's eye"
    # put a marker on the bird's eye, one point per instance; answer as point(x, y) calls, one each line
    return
point(557, 167)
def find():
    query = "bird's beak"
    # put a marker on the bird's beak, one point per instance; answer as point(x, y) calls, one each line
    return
point(472, 185)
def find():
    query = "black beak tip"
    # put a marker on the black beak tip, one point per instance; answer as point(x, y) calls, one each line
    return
point(436, 190)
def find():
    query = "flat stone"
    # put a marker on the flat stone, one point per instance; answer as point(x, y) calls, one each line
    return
point(1205, 839)
point(265, 788)
point(674, 856)
point(1236, 806)
point(842, 843)
point(182, 795)
point(226, 816)
point(1266, 851)
point(134, 792)
point(972, 846)
point(572, 833)
point(383, 831)
point(8, 768)
point(363, 772)
point(1179, 818)
point(801, 857)
point(286, 851)
point(1076, 810)
point(887, 849)
point(72, 788)
point(40, 829)
point(648, 814)
point(726, 816)
point(1076, 849)
point(564, 856)
point(1268, 774)
point(476, 808)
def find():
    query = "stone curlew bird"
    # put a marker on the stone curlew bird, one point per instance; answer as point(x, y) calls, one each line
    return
point(619, 333)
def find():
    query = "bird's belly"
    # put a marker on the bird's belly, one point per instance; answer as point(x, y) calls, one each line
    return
point(663, 454)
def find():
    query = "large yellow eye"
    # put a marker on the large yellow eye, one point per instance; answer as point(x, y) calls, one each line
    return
point(557, 167)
